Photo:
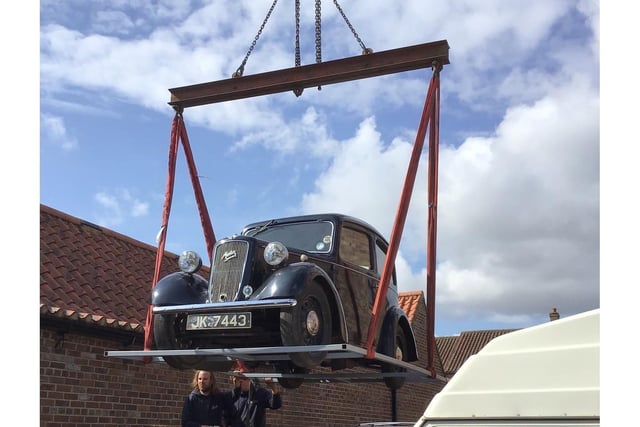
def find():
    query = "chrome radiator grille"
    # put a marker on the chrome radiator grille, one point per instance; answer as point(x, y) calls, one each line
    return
point(228, 267)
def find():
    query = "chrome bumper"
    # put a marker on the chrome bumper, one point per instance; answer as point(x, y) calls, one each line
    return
point(225, 306)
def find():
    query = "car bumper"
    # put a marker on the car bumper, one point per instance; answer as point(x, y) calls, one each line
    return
point(225, 306)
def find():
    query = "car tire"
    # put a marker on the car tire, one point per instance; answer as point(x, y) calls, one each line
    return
point(291, 383)
point(400, 353)
point(165, 337)
point(307, 323)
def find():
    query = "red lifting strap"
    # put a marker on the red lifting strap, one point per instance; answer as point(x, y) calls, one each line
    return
point(434, 143)
point(429, 113)
point(178, 132)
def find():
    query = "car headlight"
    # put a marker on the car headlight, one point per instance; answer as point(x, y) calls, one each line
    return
point(275, 253)
point(189, 262)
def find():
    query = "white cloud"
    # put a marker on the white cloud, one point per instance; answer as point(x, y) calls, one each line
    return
point(55, 132)
point(117, 206)
point(518, 213)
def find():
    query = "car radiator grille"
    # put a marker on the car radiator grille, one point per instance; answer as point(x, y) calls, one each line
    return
point(228, 261)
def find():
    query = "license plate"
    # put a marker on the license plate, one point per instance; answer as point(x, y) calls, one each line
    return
point(219, 321)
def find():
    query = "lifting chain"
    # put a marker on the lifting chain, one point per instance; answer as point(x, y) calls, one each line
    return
point(365, 50)
point(240, 69)
point(297, 91)
point(297, 53)
point(318, 34)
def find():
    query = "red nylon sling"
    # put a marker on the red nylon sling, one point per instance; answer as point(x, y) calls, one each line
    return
point(178, 133)
point(430, 114)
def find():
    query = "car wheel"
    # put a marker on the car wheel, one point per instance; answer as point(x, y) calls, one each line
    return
point(307, 323)
point(400, 352)
point(290, 383)
point(165, 327)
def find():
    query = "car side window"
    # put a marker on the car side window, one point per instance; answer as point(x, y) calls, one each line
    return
point(355, 248)
point(381, 256)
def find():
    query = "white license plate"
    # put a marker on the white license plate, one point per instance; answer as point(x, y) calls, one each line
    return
point(219, 321)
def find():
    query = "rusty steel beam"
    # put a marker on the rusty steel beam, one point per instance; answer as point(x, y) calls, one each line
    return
point(320, 74)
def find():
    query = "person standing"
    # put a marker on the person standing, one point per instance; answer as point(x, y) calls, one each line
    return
point(205, 405)
point(250, 402)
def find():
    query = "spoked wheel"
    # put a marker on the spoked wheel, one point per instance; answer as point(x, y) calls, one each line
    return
point(394, 383)
point(289, 368)
point(307, 323)
point(165, 327)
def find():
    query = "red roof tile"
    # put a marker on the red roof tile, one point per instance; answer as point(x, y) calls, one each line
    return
point(409, 302)
point(455, 350)
point(94, 275)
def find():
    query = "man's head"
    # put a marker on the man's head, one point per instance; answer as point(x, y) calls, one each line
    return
point(240, 380)
point(204, 381)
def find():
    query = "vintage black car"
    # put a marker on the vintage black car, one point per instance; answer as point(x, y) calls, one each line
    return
point(299, 281)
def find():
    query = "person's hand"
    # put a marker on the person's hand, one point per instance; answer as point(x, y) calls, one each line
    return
point(272, 385)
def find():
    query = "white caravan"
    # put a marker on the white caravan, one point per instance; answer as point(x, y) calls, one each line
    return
point(546, 375)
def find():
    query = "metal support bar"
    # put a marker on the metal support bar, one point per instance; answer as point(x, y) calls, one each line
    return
point(401, 216)
point(334, 351)
point(324, 73)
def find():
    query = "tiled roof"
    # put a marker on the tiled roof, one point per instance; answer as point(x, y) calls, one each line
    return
point(409, 302)
point(455, 350)
point(95, 275)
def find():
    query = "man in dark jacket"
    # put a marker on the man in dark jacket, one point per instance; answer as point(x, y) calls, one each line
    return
point(250, 402)
point(205, 405)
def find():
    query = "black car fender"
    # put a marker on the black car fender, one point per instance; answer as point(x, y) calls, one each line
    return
point(289, 281)
point(180, 288)
point(396, 318)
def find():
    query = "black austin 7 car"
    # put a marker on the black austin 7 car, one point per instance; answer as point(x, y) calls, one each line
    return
point(299, 281)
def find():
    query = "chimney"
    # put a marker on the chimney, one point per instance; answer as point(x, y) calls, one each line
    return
point(554, 315)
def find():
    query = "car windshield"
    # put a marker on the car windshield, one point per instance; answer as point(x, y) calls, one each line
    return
point(308, 236)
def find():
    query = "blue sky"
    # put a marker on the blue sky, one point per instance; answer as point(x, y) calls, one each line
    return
point(519, 183)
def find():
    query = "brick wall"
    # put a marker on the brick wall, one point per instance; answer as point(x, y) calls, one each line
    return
point(79, 386)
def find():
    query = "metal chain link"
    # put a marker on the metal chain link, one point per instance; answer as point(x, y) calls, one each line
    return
point(318, 32)
point(297, 53)
point(364, 48)
point(240, 69)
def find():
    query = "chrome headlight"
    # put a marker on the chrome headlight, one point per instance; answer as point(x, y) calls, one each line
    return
point(275, 253)
point(189, 262)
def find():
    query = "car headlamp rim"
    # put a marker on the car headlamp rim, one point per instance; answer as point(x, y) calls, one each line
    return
point(275, 253)
point(189, 262)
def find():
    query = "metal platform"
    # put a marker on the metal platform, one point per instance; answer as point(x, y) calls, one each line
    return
point(268, 354)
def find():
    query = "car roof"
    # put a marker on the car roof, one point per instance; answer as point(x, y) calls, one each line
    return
point(334, 217)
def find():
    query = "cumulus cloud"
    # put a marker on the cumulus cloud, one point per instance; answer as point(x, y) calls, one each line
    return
point(518, 213)
point(55, 132)
point(117, 206)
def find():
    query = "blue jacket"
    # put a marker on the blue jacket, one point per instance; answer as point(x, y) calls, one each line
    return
point(210, 410)
point(262, 398)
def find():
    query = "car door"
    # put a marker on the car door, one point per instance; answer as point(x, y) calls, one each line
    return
point(358, 278)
